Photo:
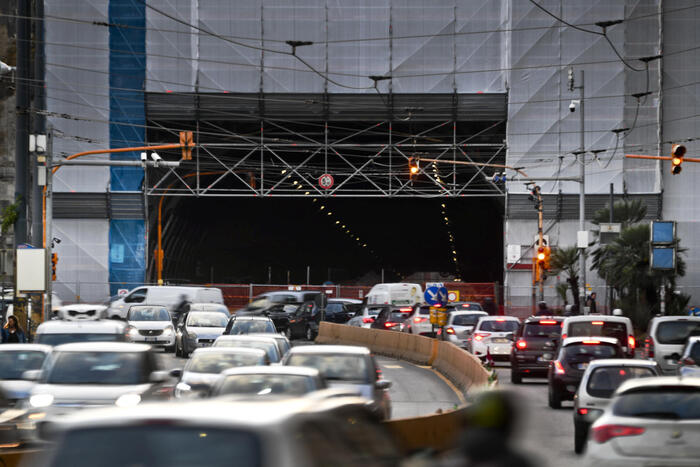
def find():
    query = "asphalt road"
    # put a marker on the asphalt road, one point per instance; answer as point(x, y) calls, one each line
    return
point(415, 390)
point(546, 435)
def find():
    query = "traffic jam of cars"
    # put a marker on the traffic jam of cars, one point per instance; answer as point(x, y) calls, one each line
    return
point(249, 375)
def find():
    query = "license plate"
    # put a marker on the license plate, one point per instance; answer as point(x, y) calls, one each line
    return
point(499, 340)
point(151, 339)
point(205, 344)
point(500, 349)
point(582, 366)
point(544, 358)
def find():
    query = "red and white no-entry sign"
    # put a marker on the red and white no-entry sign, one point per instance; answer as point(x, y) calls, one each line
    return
point(325, 181)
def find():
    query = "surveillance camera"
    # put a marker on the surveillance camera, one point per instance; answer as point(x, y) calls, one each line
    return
point(156, 157)
point(144, 157)
point(572, 105)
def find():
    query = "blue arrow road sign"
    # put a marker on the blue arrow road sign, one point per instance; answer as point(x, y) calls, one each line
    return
point(430, 295)
point(442, 296)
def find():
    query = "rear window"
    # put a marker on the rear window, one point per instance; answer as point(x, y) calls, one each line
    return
point(581, 353)
point(599, 329)
point(468, 306)
point(250, 326)
point(604, 381)
point(398, 316)
point(499, 326)
point(676, 332)
point(465, 320)
point(673, 403)
point(336, 367)
point(424, 310)
point(157, 443)
point(539, 329)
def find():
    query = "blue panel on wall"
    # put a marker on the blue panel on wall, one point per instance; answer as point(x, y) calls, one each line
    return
point(127, 73)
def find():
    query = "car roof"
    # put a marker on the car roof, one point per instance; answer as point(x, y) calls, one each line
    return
point(500, 318)
point(580, 339)
point(344, 300)
point(223, 412)
point(235, 350)
point(93, 326)
point(250, 318)
point(467, 312)
point(658, 381)
point(27, 347)
point(328, 349)
point(82, 307)
point(532, 319)
point(586, 318)
point(244, 337)
point(272, 370)
point(268, 334)
point(659, 319)
point(622, 362)
point(102, 347)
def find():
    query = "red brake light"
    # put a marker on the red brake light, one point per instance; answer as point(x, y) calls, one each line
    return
point(500, 320)
point(450, 331)
point(563, 336)
point(480, 335)
point(597, 323)
point(521, 344)
point(631, 342)
point(649, 347)
point(389, 324)
point(558, 369)
point(407, 309)
point(547, 321)
point(583, 411)
point(591, 342)
point(465, 305)
point(604, 433)
point(368, 320)
point(418, 319)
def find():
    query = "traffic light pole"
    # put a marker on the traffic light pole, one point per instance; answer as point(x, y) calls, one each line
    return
point(582, 201)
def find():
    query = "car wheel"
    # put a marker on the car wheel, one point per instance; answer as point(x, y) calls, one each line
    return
point(516, 377)
point(554, 398)
point(580, 438)
point(288, 333)
point(309, 334)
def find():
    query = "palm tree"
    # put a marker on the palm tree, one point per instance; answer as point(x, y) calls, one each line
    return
point(565, 260)
point(625, 212)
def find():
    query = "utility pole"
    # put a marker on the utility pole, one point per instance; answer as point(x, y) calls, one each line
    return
point(38, 119)
point(48, 224)
point(582, 187)
point(22, 119)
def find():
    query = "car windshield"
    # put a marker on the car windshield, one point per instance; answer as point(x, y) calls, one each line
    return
point(148, 314)
point(265, 384)
point(605, 380)
point(249, 326)
point(335, 366)
point(465, 320)
point(206, 319)
point(539, 329)
point(212, 362)
point(668, 403)
point(58, 339)
point(15, 362)
point(598, 329)
point(676, 332)
point(506, 325)
point(583, 353)
point(98, 368)
point(269, 347)
point(158, 444)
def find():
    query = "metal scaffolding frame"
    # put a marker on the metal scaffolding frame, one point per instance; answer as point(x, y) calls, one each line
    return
point(280, 159)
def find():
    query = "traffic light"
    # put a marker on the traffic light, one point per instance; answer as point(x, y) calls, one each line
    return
point(54, 261)
point(677, 153)
point(413, 168)
point(186, 144)
point(535, 197)
point(547, 254)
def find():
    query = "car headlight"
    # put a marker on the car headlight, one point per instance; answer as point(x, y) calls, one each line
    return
point(167, 332)
point(133, 332)
point(182, 390)
point(128, 400)
point(41, 400)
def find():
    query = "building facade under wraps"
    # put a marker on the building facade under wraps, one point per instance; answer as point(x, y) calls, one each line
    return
point(117, 69)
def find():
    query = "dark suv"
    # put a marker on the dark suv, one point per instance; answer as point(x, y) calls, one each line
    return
point(575, 353)
point(535, 346)
point(390, 319)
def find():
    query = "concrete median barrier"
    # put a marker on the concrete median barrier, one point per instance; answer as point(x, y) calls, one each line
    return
point(436, 431)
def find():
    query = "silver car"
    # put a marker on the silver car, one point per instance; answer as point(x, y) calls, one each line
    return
point(275, 381)
point(460, 325)
point(348, 368)
point(198, 329)
point(204, 366)
point(268, 344)
point(666, 337)
point(151, 324)
point(15, 359)
point(283, 344)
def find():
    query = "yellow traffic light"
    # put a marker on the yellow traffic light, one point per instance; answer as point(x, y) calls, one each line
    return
point(547, 255)
point(54, 261)
point(677, 153)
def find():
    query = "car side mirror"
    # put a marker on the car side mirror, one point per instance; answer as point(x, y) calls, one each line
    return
point(175, 373)
point(32, 375)
point(158, 377)
point(382, 384)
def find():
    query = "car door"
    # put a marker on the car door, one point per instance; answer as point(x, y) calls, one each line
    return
point(296, 320)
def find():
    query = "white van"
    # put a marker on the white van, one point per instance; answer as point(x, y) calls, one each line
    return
point(167, 296)
point(397, 294)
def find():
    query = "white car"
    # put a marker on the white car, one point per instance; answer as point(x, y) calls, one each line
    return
point(599, 382)
point(460, 325)
point(666, 337)
point(649, 422)
point(168, 296)
point(419, 322)
point(365, 316)
point(493, 335)
point(204, 366)
point(151, 324)
point(57, 332)
point(617, 327)
point(15, 359)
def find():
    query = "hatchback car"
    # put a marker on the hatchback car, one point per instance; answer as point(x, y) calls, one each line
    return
point(493, 335)
point(535, 346)
point(57, 332)
point(419, 322)
point(618, 327)
point(204, 366)
point(249, 325)
point(275, 381)
point(365, 316)
point(198, 329)
point(268, 344)
point(346, 367)
point(650, 422)
point(460, 325)
point(574, 356)
point(390, 319)
point(689, 364)
point(15, 359)
point(666, 337)
point(599, 382)
point(254, 432)
point(151, 324)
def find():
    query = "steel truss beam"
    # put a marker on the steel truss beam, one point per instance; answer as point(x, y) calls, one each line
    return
point(287, 160)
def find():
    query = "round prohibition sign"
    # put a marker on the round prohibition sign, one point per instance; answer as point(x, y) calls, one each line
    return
point(325, 181)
